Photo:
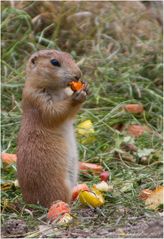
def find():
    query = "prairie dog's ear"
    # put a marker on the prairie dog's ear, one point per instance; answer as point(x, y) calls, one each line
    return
point(33, 60)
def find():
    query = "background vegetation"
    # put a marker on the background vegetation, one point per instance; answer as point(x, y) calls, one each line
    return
point(118, 48)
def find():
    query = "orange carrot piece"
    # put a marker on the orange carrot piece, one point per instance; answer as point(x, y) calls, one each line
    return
point(77, 85)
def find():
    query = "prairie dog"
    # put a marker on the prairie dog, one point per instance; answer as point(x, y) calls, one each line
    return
point(47, 164)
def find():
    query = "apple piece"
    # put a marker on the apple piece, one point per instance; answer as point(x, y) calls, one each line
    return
point(104, 176)
point(58, 209)
point(103, 187)
point(93, 198)
point(77, 189)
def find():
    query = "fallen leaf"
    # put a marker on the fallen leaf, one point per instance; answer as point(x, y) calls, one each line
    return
point(133, 108)
point(95, 168)
point(77, 189)
point(144, 194)
point(6, 186)
point(155, 199)
point(93, 198)
point(57, 209)
point(103, 187)
point(8, 158)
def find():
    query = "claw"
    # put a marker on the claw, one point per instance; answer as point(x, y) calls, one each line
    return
point(86, 89)
point(80, 96)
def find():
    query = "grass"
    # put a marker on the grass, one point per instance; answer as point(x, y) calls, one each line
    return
point(119, 52)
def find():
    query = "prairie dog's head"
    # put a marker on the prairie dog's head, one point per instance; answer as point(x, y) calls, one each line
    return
point(51, 68)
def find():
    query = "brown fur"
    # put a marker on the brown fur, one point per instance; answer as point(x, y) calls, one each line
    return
point(47, 162)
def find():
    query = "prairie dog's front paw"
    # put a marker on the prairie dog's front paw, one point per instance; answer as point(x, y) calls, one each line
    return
point(79, 96)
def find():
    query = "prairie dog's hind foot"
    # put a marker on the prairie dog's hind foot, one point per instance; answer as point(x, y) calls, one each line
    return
point(47, 197)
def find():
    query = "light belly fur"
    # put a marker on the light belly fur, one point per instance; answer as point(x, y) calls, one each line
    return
point(73, 164)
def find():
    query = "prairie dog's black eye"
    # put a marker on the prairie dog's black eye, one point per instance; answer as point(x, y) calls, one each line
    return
point(55, 62)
